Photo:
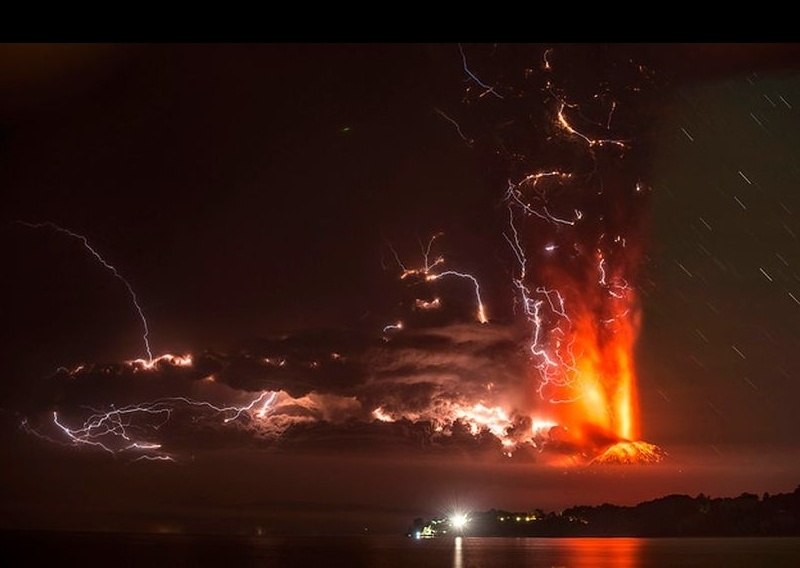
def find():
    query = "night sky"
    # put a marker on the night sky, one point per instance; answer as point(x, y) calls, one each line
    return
point(260, 200)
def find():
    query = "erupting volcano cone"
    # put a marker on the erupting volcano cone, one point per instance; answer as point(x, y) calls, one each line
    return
point(627, 452)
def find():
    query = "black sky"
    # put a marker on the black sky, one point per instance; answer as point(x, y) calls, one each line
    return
point(266, 165)
point(249, 190)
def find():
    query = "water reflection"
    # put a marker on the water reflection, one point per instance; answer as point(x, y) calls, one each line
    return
point(595, 552)
point(90, 550)
point(552, 552)
point(458, 559)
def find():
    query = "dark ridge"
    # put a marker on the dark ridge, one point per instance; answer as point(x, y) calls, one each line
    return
point(747, 515)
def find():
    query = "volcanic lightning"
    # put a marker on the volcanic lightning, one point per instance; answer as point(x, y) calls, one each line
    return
point(426, 273)
point(572, 215)
point(573, 205)
point(85, 242)
point(132, 429)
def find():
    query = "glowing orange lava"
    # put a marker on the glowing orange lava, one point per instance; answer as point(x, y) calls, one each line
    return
point(592, 389)
point(599, 396)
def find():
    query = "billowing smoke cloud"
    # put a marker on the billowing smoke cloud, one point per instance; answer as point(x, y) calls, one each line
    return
point(566, 146)
point(461, 385)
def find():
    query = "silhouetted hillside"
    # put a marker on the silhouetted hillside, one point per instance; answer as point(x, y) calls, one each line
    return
point(669, 516)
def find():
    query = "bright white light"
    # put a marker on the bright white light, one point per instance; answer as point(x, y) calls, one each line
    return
point(459, 521)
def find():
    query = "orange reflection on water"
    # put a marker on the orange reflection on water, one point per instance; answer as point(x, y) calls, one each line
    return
point(601, 552)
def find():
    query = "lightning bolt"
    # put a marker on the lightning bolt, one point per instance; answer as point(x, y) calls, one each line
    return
point(474, 77)
point(427, 273)
point(107, 266)
point(581, 329)
point(571, 286)
point(129, 429)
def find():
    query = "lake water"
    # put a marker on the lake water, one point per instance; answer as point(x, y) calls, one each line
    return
point(100, 549)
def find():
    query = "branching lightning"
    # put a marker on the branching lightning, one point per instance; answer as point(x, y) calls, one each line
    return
point(131, 429)
point(107, 266)
point(426, 273)
point(570, 226)
point(487, 88)
point(571, 277)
